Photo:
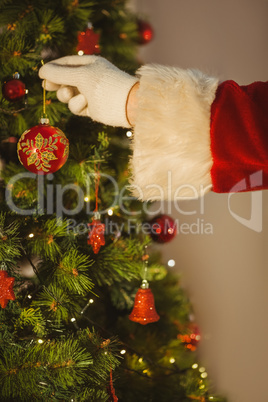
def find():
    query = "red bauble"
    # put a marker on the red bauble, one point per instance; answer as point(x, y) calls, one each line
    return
point(43, 149)
point(88, 42)
point(13, 90)
point(144, 309)
point(163, 228)
point(6, 288)
point(145, 31)
point(96, 235)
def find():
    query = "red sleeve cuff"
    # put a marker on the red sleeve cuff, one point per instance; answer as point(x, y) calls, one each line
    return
point(239, 136)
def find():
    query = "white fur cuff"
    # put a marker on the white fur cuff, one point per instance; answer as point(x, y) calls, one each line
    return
point(171, 143)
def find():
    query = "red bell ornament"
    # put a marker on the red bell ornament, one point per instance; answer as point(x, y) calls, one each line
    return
point(43, 149)
point(144, 308)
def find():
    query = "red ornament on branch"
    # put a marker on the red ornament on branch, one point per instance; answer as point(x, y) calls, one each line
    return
point(144, 311)
point(14, 90)
point(96, 235)
point(43, 149)
point(163, 229)
point(6, 288)
point(145, 32)
point(97, 229)
point(88, 42)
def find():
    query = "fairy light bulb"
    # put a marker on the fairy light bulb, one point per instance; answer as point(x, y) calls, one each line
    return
point(31, 235)
point(86, 306)
point(172, 360)
point(171, 263)
point(123, 351)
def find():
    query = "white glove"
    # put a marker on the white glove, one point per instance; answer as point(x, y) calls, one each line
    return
point(91, 86)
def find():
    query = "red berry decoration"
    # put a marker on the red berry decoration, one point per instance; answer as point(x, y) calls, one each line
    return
point(13, 90)
point(88, 42)
point(145, 32)
point(163, 229)
point(191, 339)
point(43, 149)
point(6, 288)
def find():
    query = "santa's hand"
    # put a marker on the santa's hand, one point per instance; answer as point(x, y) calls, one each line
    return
point(91, 86)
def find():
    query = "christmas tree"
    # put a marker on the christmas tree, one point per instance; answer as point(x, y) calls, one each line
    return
point(78, 270)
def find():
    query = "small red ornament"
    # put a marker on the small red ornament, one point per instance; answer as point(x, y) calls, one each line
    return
point(6, 289)
point(43, 149)
point(14, 89)
point(96, 235)
point(163, 228)
point(145, 31)
point(144, 309)
point(191, 339)
point(88, 42)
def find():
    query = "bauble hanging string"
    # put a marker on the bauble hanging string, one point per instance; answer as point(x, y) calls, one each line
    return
point(96, 228)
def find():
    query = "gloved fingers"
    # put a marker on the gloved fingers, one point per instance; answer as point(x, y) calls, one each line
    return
point(50, 86)
point(78, 104)
point(60, 75)
point(65, 93)
point(84, 112)
point(74, 60)
point(65, 71)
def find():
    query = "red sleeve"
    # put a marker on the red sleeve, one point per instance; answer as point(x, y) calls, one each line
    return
point(239, 136)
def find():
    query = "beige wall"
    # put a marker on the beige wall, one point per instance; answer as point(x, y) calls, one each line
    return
point(225, 273)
